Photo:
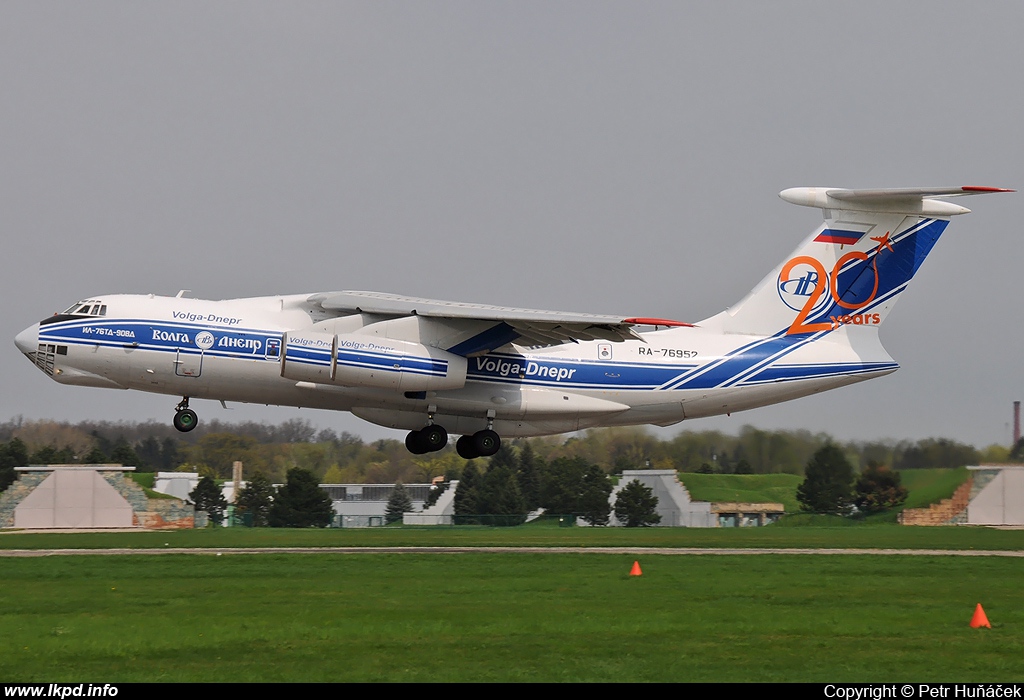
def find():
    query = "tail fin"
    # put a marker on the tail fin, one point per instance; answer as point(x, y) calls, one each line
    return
point(853, 268)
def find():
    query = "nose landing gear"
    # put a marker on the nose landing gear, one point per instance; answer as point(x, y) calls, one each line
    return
point(185, 419)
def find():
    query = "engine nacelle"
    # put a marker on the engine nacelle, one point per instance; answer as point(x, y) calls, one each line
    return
point(358, 360)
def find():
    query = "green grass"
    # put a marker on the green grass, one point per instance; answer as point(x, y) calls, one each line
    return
point(143, 479)
point(926, 486)
point(862, 536)
point(508, 617)
point(816, 520)
point(744, 488)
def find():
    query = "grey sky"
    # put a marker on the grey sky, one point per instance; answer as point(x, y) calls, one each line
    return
point(602, 157)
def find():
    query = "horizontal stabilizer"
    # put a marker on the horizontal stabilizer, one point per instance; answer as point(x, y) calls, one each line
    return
point(905, 200)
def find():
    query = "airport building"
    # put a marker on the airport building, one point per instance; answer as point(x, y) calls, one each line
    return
point(992, 495)
point(94, 496)
point(364, 505)
point(677, 509)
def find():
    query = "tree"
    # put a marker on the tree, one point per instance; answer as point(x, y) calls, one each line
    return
point(528, 476)
point(561, 485)
point(467, 496)
point(574, 486)
point(743, 467)
point(220, 450)
point(148, 452)
point(828, 483)
point(13, 454)
point(301, 502)
point(207, 496)
point(398, 504)
point(170, 458)
point(636, 504)
point(256, 498)
point(500, 497)
point(1017, 452)
point(51, 455)
point(122, 453)
point(96, 456)
point(878, 489)
point(505, 458)
point(593, 501)
point(935, 454)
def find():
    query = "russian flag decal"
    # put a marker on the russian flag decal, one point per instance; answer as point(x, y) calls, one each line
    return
point(837, 236)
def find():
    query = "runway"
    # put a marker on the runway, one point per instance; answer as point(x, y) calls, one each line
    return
point(646, 551)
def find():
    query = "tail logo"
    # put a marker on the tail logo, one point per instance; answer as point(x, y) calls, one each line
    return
point(802, 282)
point(807, 288)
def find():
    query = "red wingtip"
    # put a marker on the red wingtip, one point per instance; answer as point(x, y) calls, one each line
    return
point(657, 322)
point(985, 189)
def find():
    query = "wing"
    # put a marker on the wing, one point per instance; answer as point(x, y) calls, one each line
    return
point(531, 326)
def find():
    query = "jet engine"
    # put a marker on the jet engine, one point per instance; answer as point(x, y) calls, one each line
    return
point(358, 360)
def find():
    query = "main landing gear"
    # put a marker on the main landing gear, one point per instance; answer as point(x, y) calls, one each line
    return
point(482, 443)
point(185, 419)
point(433, 437)
point(429, 439)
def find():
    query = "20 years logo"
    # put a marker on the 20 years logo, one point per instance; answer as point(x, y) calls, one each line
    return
point(807, 288)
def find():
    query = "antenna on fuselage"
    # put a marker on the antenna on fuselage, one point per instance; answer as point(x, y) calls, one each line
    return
point(181, 293)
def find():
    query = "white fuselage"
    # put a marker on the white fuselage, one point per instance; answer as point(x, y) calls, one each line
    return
point(234, 350)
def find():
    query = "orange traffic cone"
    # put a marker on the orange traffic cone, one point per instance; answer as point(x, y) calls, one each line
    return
point(980, 619)
point(635, 571)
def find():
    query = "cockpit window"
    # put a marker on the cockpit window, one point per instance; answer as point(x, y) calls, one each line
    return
point(87, 308)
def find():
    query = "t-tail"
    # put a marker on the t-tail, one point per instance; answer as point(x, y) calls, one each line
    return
point(850, 272)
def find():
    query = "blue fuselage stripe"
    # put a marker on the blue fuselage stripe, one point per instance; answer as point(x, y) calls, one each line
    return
point(751, 363)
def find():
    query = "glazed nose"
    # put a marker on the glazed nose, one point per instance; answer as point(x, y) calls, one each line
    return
point(28, 340)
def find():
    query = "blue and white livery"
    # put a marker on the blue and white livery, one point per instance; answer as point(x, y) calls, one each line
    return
point(433, 367)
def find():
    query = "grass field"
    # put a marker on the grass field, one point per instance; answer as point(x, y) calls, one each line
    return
point(925, 486)
point(861, 536)
point(518, 617)
point(744, 488)
point(508, 617)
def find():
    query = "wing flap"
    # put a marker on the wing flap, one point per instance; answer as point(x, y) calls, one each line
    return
point(533, 326)
point(395, 304)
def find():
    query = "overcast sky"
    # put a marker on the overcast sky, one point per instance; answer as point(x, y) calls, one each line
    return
point(603, 157)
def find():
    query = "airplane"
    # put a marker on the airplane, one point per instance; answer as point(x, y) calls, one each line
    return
point(488, 372)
